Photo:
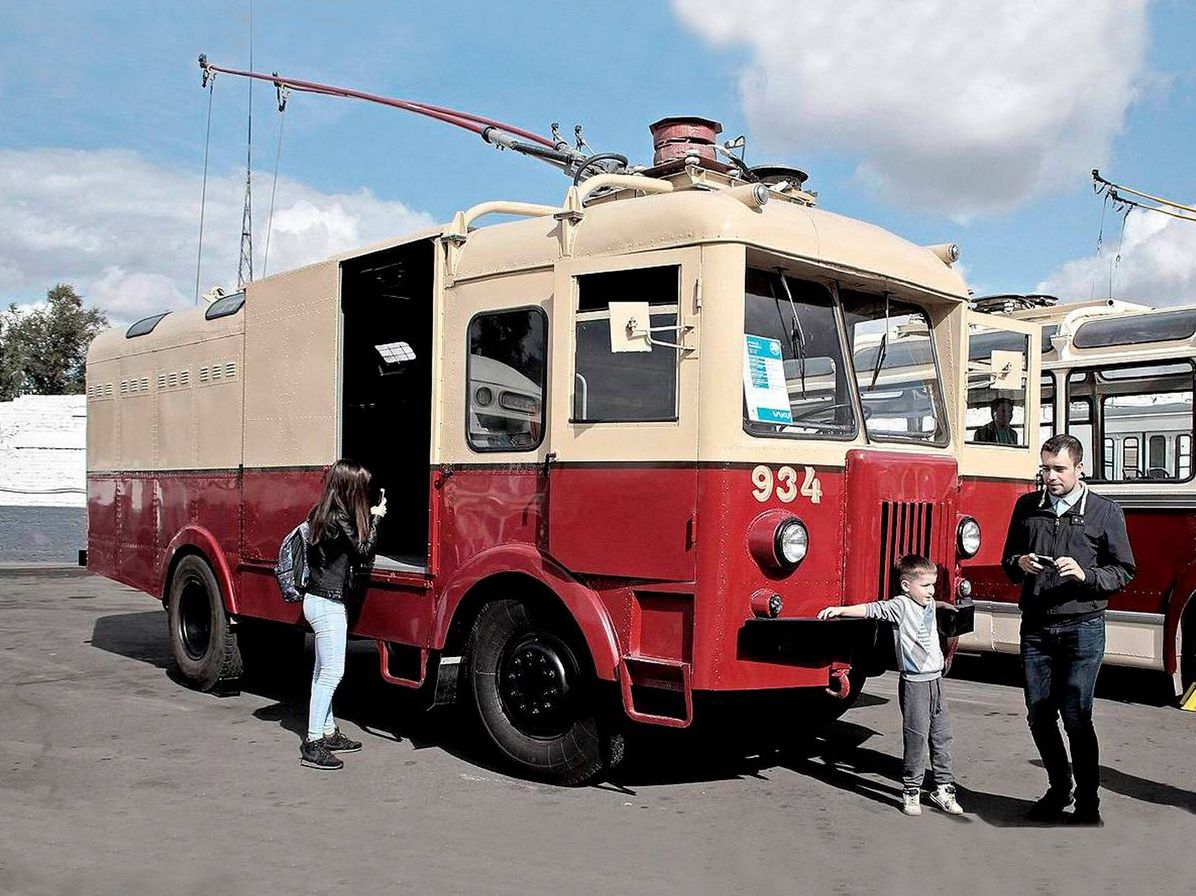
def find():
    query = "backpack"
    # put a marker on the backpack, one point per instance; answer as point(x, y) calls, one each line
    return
point(291, 571)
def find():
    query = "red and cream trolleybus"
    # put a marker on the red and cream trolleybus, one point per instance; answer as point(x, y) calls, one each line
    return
point(630, 445)
point(1119, 377)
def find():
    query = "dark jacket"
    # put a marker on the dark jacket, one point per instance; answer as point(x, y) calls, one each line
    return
point(1092, 532)
point(331, 559)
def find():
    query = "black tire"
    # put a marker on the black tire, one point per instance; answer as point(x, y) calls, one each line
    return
point(535, 694)
point(202, 643)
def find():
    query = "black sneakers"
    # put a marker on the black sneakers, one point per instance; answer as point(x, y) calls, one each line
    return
point(338, 743)
point(1050, 808)
point(314, 754)
point(1086, 815)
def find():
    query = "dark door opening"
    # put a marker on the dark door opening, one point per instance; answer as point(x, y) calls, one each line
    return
point(386, 398)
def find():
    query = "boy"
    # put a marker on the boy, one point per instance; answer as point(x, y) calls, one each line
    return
point(920, 692)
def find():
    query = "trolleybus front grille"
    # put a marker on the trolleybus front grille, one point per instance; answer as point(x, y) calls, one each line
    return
point(906, 527)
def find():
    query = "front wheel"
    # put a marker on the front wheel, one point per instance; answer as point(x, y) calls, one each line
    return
point(202, 642)
point(534, 693)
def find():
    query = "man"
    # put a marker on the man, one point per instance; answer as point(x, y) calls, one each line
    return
point(1069, 549)
point(998, 431)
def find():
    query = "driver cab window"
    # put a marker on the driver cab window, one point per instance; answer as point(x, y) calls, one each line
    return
point(795, 382)
point(997, 365)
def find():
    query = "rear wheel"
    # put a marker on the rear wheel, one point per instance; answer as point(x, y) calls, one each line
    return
point(202, 643)
point(535, 694)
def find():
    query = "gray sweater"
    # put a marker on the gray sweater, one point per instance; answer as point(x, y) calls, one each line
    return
point(915, 636)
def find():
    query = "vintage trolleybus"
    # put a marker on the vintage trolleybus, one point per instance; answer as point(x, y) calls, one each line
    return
point(630, 446)
point(1119, 377)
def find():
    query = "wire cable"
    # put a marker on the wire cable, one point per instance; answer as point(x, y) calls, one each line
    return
point(203, 195)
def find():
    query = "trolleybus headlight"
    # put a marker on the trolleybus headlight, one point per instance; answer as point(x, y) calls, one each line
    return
point(969, 537)
point(792, 541)
point(483, 396)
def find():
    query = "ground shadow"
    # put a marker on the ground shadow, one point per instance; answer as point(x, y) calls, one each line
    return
point(378, 709)
point(1142, 789)
point(1147, 791)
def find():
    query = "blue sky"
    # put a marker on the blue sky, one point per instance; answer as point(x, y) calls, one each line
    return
point(968, 122)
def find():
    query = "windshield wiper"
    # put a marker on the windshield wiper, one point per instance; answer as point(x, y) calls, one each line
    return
point(881, 349)
point(797, 334)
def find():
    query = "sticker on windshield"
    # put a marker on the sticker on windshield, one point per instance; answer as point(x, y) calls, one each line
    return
point(764, 387)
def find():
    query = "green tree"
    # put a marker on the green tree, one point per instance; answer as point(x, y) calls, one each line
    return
point(43, 350)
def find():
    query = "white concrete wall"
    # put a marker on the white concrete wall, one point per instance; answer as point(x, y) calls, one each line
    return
point(43, 451)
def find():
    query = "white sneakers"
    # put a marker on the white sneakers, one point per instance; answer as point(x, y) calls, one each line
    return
point(911, 802)
point(942, 797)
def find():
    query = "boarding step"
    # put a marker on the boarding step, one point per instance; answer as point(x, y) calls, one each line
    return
point(656, 691)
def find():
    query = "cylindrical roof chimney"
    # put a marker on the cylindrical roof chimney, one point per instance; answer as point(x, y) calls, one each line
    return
point(682, 136)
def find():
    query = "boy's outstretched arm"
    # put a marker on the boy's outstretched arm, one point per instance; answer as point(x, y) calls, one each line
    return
point(855, 611)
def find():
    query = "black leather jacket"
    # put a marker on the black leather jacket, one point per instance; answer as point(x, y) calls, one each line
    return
point(331, 558)
point(1092, 532)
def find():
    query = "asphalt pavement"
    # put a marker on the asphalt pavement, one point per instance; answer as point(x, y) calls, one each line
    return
point(115, 779)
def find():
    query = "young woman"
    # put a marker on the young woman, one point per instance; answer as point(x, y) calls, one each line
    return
point(343, 532)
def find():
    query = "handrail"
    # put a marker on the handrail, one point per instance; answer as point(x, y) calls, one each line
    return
point(622, 182)
point(459, 228)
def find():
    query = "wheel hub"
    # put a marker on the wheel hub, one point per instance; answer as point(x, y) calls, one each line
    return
point(536, 679)
point(195, 620)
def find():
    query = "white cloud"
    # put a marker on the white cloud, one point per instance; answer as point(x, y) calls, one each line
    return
point(124, 231)
point(964, 108)
point(1157, 264)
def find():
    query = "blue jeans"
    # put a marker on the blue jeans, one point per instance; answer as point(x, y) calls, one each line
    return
point(328, 620)
point(1060, 661)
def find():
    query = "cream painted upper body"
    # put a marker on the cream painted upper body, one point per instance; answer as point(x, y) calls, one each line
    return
point(282, 406)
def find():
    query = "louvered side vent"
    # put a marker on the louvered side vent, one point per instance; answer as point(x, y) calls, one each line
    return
point(230, 370)
point(216, 371)
point(161, 381)
point(203, 374)
point(184, 377)
point(906, 527)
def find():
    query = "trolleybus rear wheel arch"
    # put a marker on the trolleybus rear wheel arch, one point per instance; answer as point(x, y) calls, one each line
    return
point(532, 685)
point(202, 642)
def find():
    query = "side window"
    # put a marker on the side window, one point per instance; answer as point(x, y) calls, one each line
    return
point(1046, 407)
point(997, 365)
point(1145, 419)
point(1129, 458)
point(505, 379)
point(634, 386)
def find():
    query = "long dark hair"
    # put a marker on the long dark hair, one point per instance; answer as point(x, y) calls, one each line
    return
point(346, 490)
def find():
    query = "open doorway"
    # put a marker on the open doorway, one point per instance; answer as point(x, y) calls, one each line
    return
point(386, 398)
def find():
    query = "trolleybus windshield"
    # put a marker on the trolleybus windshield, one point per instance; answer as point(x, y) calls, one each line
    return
point(796, 383)
point(893, 352)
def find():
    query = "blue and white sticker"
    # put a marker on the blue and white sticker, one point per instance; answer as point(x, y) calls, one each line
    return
point(764, 387)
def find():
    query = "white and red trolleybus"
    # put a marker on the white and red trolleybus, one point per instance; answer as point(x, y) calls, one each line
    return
point(630, 445)
point(1119, 377)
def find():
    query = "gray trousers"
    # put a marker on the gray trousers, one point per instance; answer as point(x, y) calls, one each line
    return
point(924, 721)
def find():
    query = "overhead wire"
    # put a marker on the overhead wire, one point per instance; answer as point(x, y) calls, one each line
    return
point(203, 195)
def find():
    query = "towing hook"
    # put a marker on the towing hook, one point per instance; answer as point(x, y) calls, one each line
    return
point(840, 686)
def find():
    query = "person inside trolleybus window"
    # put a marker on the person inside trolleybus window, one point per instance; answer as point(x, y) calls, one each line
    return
point(998, 431)
point(1069, 548)
point(924, 718)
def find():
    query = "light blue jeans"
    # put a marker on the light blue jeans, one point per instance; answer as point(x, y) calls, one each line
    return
point(328, 620)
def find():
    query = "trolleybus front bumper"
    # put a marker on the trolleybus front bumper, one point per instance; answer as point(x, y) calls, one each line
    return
point(816, 642)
